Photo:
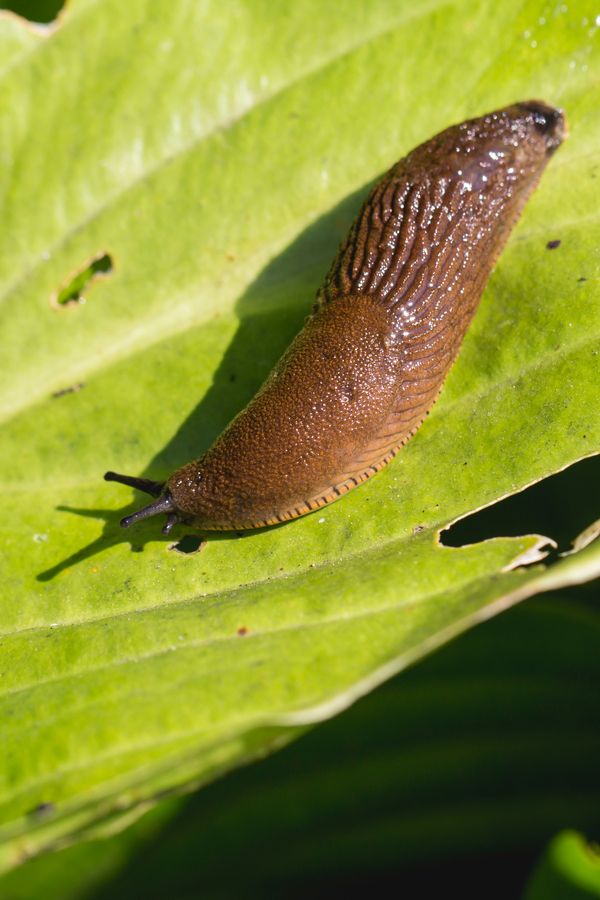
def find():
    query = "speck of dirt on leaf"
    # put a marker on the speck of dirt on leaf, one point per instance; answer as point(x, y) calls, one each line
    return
point(72, 389)
point(43, 810)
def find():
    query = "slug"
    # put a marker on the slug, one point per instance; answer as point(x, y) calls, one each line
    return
point(388, 322)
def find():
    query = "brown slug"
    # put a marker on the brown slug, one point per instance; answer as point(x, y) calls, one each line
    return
point(388, 322)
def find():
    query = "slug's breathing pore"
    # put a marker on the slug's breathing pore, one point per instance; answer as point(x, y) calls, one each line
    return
point(389, 320)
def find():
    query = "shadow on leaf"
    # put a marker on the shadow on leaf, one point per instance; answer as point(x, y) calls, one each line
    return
point(271, 312)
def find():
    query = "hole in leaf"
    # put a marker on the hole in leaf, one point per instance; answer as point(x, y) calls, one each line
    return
point(72, 293)
point(189, 543)
point(35, 10)
point(560, 507)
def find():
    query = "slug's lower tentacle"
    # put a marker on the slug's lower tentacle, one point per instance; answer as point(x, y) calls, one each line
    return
point(164, 504)
point(172, 519)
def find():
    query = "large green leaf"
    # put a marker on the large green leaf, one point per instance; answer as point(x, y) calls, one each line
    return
point(217, 157)
point(457, 771)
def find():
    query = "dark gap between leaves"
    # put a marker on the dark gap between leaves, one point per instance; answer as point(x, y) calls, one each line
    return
point(560, 507)
point(36, 10)
point(71, 294)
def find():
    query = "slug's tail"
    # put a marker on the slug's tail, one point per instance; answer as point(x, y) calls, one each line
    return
point(163, 504)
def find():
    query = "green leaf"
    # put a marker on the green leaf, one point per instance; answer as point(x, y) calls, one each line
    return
point(468, 763)
point(216, 159)
point(569, 870)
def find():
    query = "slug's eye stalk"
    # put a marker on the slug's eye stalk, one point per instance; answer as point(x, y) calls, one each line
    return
point(163, 504)
point(154, 488)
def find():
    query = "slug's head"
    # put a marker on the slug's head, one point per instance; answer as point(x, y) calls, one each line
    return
point(546, 121)
point(527, 136)
point(164, 502)
point(498, 155)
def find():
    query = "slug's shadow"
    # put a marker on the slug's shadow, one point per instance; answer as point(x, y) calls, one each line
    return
point(271, 311)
